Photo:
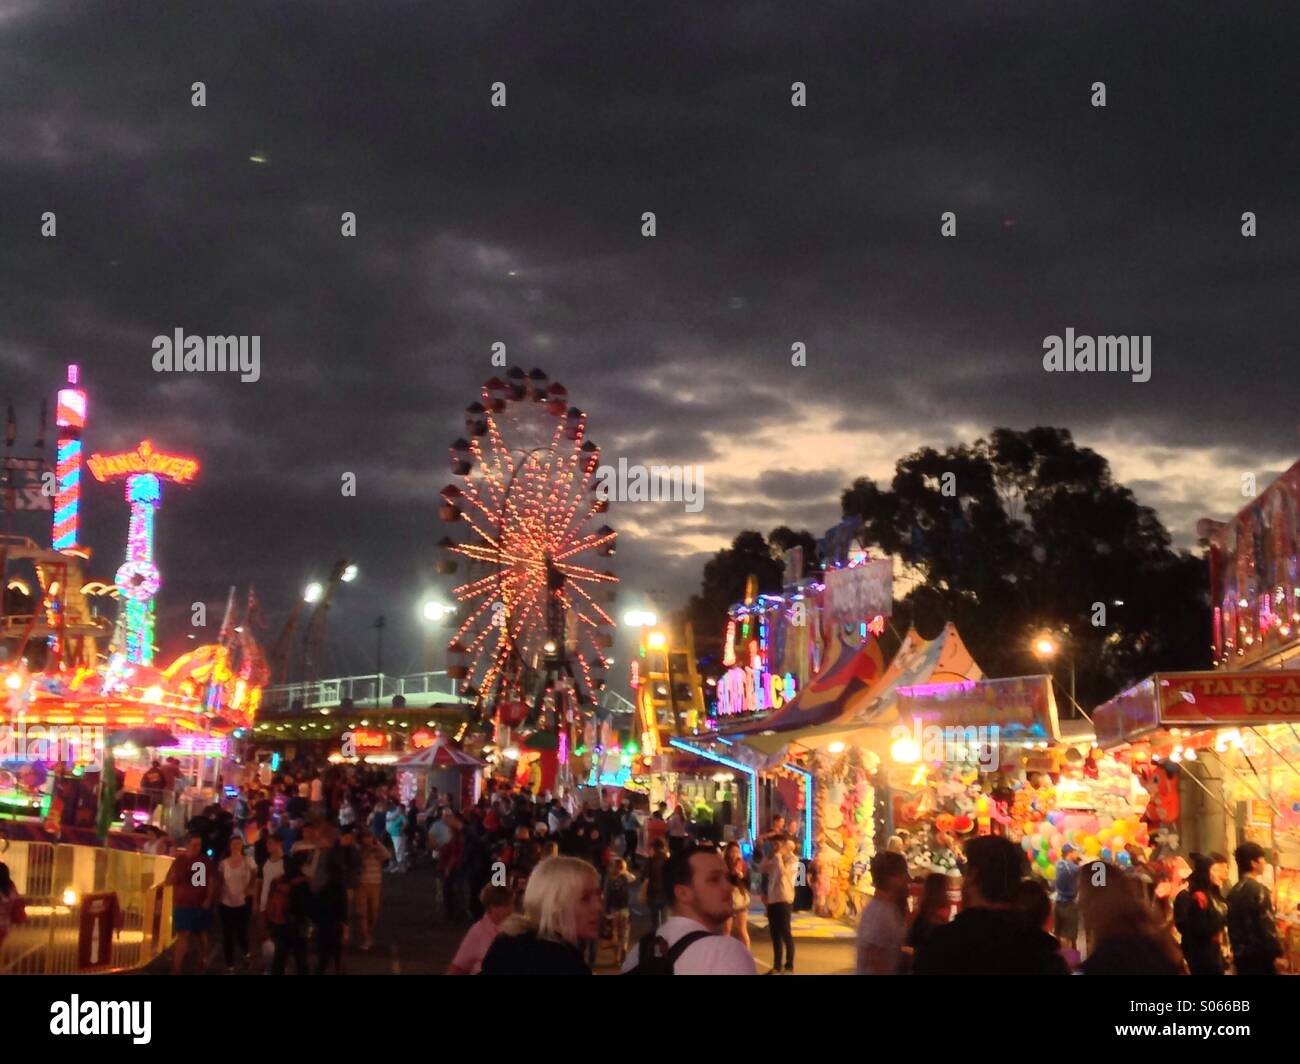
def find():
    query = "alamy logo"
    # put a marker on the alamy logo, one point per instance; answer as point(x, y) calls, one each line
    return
point(77, 1017)
point(953, 745)
point(638, 483)
point(209, 354)
point(1098, 354)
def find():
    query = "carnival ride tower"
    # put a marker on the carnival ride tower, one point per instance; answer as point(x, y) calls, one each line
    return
point(138, 578)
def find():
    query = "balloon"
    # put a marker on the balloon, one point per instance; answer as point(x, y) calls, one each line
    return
point(1053, 856)
point(1117, 843)
point(1042, 860)
point(1120, 827)
point(1105, 853)
point(1058, 840)
point(1124, 859)
point(1090, 842)
point(1027, 844)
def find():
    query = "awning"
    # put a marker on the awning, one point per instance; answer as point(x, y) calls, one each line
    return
point(1198, 700)
point(1019, 707)
point(944, 659)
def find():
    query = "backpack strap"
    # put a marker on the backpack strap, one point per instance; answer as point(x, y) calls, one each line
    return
point(684, 943)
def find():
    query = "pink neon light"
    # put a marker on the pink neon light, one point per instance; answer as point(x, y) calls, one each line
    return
point(74, 374)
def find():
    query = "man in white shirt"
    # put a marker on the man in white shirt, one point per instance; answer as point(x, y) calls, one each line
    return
point(697, 882)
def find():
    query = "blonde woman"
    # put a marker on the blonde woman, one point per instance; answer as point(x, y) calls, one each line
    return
point(562, 907)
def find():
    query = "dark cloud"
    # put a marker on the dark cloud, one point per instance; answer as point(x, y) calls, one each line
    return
point(522, 225)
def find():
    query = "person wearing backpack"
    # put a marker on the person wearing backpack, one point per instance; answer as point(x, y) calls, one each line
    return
point(691, 941)
point(287, 906)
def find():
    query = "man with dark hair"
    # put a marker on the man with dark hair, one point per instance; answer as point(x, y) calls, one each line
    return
point(882, 928)
point(700, 894)
point(990, 936)
point(1252, 928)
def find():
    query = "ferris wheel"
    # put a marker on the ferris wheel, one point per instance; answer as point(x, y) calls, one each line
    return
point(534, 631)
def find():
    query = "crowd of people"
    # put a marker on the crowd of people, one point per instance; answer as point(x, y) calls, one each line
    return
point(1104, 919)
point(296, 866)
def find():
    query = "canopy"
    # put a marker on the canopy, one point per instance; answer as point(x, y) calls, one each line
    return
point(944, 659)
point(442, 754)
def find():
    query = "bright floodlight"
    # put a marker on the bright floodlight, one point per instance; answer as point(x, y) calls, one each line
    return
point(436, 611)
point(656, 640)
point(904, 751)
point(1044, 646)
point(313, 592)
point(549, 646)
point(349, 574)
point(640, 619)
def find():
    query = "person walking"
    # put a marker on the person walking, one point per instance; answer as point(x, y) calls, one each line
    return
point(780, 870)
point(562, 907)
point(498, 905)
point(691, 941)
point(990, 936)
point(1124, 931)
point(656, 890)
point(738, 873)
point(238, 878)
point(193, 878)
point(1252, 928)
point(631, 833)
point(679, 829)
point(289, 902)
point(618, 906)
point(11, 905)
point(882, 928)
point(395, 821)
point(271, 870)
point(370, 886)
point(933, 910)
point(1201, 915)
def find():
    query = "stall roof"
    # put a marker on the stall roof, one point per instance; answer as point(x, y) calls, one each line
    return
point(442, 754)
point(941, 660)
point(1199, 700)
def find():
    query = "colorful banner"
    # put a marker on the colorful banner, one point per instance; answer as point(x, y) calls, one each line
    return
point(1255, 574)
point(858, 594)
point(1192, 699)
point(1021, 706)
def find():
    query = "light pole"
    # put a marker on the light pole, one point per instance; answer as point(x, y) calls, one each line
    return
point(1046, 647)
point(379, 657)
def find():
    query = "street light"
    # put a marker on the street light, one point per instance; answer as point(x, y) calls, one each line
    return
point(1046, 648)
point(656, 641)
point(349, 574)
point(640, 619)
point(313, 592)
point(435, 611)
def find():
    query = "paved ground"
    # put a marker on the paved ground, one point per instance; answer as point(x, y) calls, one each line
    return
point(410, 941)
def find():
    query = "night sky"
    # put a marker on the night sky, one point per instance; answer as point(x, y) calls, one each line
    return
point(522, 224)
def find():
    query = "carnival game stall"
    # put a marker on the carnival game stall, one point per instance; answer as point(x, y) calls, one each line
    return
point(440, 765)
point(842, 754)
point(1221, 753)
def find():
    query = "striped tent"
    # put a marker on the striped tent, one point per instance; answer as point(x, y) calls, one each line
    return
point(944, 659)
point(442, 754)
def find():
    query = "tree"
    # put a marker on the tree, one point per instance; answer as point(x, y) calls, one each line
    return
point(1025, 531)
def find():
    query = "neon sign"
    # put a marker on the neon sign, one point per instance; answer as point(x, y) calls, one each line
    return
point(144, 459)
point(369, 740)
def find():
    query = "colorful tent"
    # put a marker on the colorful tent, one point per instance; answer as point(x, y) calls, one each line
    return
point(442, 754)
point(944, 659)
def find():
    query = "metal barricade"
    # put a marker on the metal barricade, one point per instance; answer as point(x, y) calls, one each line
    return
point(127, 890)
